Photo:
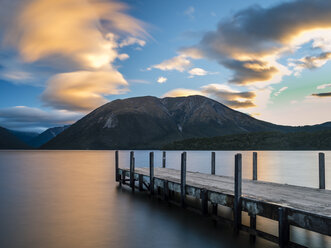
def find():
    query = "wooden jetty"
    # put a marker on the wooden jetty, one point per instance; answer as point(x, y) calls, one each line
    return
point(303, 207)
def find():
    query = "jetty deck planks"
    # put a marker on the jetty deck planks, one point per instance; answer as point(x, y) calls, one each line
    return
point(290, 205)
point(307, 199)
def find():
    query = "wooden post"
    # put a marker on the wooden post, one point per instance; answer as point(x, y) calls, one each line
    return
point(252, 223)
point(321, 158)
point(123, 177)
point(165, 190)
point(163, 159)
point(132, 171)
point(151, 173)
point(183, 179)
point(141, 182)
point(237, 193)
point(116, 167)
point(254, 165)
point(283, 227)
point(204, 201)
point(213, 163)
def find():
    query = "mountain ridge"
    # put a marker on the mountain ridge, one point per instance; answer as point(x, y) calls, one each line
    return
point(149, 123)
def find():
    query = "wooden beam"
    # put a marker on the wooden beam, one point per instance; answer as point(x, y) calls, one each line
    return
point(213, 163)
point(283, 228)
point(132, 171)
point(183, 179)
point(151, 173)
point(163, 159)
point(321, 162)
point(254, 165)
point(237, 192)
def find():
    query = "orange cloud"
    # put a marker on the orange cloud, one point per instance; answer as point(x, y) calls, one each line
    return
point(83, 90)
point(84, 37)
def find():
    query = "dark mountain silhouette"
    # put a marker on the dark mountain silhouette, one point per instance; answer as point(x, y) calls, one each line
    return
point(318, 140)
point(46, 136)
point(149, 122)
point(9, 141)
point(24, 136)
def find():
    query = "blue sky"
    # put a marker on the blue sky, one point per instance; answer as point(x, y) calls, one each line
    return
point(61, 59)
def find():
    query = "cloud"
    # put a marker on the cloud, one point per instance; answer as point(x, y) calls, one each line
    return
point(198, 72)
point(323, 86)
point(221, 93)
point(162, 80)
point(280, 91)
point(310, 62)
point(191, 52)
point(179, 63)
point(83, 90)
point(22, 117)
point(251, 42)
point(81, 39)
point(17, 75)
point(190, 12)
point(131, 41)
point(182, 92)
point(123, 56)
point(229, 97)
point(326, 94)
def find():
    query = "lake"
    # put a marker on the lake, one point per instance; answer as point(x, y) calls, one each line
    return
point(60, 199)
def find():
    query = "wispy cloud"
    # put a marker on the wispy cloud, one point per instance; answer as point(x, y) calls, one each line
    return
point(178, 63)
point(280, 91)
point(222, 93)
point(22, 117)
point(190, 12)
point(323, 86)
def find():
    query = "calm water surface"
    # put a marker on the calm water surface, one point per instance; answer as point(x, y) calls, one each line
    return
point(67, 199)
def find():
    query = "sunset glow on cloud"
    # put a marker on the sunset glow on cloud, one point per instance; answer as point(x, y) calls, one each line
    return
point(256, 56)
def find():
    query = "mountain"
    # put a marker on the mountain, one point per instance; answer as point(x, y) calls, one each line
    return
point(46, 136)
point(9, 141)
point(318, 140)
point(149, 122)
point(24, 136)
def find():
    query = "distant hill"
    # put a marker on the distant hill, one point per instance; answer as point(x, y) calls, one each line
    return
point(9, 141)
point(318, 140)
point(24, 136)
point(46, 136)
point(151, 123)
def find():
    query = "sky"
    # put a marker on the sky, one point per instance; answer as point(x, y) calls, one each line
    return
point(61, 59)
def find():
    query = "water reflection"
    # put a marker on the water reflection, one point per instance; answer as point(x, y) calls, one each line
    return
point(69, 199)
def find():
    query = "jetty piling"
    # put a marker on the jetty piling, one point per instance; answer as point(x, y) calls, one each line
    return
point(163, 159)
point(254, 165)
point(321, 163)
point(183, 179)
point(237, 192)
point(278, 202)
point(213, 163)
point(151, 173)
